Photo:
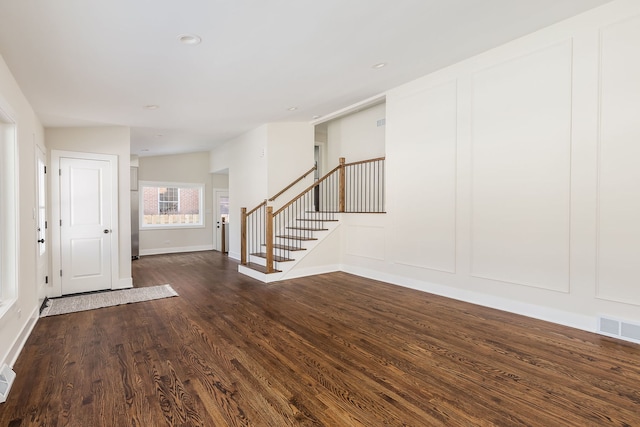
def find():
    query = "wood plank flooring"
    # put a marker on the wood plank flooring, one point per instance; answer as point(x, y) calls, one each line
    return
point(329, 350)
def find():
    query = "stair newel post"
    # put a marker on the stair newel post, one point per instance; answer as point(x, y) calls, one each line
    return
point(269, 238)
point(243, 236)
point(341, 186)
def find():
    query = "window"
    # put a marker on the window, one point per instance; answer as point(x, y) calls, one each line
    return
point(171, 205)
point(8, 214)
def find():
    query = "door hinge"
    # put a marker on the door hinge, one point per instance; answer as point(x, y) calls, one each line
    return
point(60, 223)
point(46, 279)
point(46, 224)
point(60, 172)
point(60, 273)
point(45, 169)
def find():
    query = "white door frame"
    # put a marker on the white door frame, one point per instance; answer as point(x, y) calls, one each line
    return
point(42, 260)
point(56, 262)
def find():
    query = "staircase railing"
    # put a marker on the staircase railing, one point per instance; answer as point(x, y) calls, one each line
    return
point(252, 231)
point(253, 228)
point(356, 187)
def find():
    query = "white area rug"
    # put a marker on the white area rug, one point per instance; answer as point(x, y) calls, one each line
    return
point(92, 301)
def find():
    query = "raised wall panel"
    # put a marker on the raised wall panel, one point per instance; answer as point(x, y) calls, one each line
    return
point(365, 241)
point(521, 167)
point(619, 164)
point(423, 163)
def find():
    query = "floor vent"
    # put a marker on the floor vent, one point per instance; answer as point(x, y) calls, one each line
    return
point(6, 379)
point(619, 329)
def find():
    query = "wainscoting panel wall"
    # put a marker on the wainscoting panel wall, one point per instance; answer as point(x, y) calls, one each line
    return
point(424, 204)
point(365, 241)
point(521, 169)
point(619, 163)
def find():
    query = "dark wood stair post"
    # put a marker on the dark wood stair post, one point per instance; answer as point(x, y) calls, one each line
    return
point(342, 185)
point(243, 236)
point(269, 238)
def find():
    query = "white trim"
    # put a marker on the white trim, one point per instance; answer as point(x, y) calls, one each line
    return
point(56, 262)
point(312, 271)
point(125, 283)
point(175, 250)
point(354, 108)
point(21, 338)
point(9, 218)
point(41, 288)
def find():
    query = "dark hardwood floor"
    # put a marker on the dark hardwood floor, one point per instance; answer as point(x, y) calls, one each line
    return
point(329, 350)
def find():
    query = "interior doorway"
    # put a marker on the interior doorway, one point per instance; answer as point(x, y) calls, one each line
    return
point(221, 218)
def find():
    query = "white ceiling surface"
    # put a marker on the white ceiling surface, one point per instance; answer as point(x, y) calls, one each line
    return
point(92, 62)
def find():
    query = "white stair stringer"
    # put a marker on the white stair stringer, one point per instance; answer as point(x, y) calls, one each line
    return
point(285, 268)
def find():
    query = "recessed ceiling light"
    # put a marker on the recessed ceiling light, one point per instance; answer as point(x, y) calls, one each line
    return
point(151, 107)
point(315, 117)
point(292, 108)
point(380, 65)
point(159, 135)
point(144, 150)
point(190, 39)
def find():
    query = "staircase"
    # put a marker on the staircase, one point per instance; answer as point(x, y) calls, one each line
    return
point(290, 247)
point(274, 242)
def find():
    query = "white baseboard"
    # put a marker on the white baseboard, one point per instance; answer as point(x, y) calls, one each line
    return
point(18, 344)
point(175, 250)
point(311, 271)
point(573, 320)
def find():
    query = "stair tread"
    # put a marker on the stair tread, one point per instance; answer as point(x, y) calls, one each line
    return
point(275, 257)
point(297, 237)
point(287, 247)
point(259, 268)
point(307, 229)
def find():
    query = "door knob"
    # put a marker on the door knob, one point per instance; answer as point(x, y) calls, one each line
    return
point(107, 231)
point(41, 241)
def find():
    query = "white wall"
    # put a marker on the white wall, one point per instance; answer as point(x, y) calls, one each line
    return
point(183, 168)
point(289, 156)
point(220, 180)
point(260, 163)
point(113, 140)
point(16, 324)
point(356, 136)
point(512, 177)
point(245, 159)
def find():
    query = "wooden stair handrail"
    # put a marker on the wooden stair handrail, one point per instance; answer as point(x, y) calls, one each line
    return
point(315, 184)
point(303, 176)
point(256, 208)
point(365, 161)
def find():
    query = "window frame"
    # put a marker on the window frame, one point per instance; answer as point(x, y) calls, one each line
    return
point(179, 185)
point(9, 215)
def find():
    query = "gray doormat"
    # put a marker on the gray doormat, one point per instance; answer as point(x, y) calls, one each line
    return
point(95, 300)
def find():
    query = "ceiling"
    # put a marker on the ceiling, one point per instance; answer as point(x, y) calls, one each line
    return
point(92, 62)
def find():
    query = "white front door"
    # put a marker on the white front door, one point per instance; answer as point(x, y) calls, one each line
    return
point(41, 225)
point(85, 228)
